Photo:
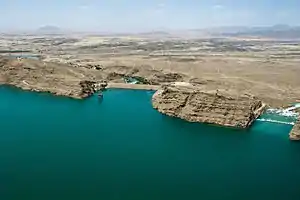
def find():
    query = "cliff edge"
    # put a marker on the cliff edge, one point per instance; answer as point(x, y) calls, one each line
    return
point(190, 103)
point(76, 82)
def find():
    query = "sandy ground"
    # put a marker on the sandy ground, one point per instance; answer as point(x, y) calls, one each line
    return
point(268, 70)
point(277, 82)
point(132, 86)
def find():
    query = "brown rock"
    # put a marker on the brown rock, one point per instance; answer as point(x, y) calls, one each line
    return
point(160, 77)
point(191, 104)
point(295, 133)
point(56, 78)
point(87, 88)
point(114, 76)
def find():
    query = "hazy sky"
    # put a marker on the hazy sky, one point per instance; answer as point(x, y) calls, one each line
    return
point(145, 15)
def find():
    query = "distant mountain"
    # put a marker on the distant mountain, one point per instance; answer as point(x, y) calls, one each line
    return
point(276, 32)
point(225, 29)
point(49, 30)
point(165, 33)
point(280, 31)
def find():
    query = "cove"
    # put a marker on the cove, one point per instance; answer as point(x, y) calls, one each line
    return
point(121, 148)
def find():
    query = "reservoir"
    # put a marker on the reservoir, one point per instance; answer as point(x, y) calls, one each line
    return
point(121, 148)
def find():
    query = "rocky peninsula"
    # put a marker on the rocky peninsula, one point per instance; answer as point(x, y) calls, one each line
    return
point(178, 94)
point(78, 82)
point(190, 103)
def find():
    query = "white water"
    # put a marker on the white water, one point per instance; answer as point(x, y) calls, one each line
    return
point(133, 82)
point(294, 107)
point(275, 121)
point(280, 116)
point(283, 112)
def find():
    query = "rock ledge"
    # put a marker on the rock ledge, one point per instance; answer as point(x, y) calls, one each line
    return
point(190, 103)
point(295, 133)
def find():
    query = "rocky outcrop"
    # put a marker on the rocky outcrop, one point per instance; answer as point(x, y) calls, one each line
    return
point(119, 70)
point(55, 78)
point(114, 76)
point(190, 103)
point(142, 76)
point(88, 88)
point(295, 133)
point(88, 66)
point(160, 77)
point(76, 82)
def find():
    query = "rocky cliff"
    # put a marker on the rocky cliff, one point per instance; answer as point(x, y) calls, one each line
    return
point(190, 103)
point(295, 133)
point(58, 79)
point(76, 82)
point(88, 88)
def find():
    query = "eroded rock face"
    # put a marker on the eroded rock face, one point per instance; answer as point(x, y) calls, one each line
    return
point(295, 133)
point(160, 77)
point(191, 104)
point(55, 78)
point(115, 76)
point(88, 88)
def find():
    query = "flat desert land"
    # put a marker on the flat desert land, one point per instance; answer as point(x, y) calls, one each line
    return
point(268, 69)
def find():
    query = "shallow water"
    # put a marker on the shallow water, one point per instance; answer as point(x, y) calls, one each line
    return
point(120, 148)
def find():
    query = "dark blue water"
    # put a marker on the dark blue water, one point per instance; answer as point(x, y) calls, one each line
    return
point(120, 148)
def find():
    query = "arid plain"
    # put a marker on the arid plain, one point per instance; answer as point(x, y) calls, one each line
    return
point(264, 67)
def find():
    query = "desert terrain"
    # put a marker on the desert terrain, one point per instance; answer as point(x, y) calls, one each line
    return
point(264, 67)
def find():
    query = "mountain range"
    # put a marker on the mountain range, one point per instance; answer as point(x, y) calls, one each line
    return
point(280, 31)
point(277, 32)
point(49, 30)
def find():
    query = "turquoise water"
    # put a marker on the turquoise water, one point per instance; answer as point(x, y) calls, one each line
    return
point(120, 148)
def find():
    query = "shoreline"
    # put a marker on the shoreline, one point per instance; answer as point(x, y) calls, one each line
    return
point(294, 135)
point(77, 96)
point(192, 104)
point(55, 94)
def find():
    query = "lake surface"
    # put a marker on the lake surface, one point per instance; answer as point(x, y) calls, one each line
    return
point(121, 148)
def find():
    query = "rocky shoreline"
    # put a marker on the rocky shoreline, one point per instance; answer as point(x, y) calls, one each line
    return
point(213, 107)
point(75, 82)
point(88, 88)
point(177, 95)
point(295, 133)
